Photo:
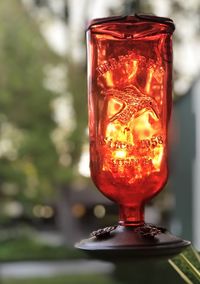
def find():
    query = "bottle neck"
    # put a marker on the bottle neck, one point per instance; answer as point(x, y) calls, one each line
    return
point(131, 215)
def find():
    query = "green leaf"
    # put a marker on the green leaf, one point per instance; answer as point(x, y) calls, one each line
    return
point(187, 264)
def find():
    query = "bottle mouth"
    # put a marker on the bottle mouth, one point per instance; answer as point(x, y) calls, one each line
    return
point(138, 20)
point(153, 18)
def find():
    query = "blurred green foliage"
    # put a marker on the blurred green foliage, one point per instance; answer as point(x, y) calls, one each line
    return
point(33, 170)
point(30, 249)
point(24, 243)
point(24, 102)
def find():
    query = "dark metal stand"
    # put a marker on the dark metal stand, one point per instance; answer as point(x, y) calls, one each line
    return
point(125, 242)
point(139, 254)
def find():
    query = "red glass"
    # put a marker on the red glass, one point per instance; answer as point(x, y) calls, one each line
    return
point(130, 95)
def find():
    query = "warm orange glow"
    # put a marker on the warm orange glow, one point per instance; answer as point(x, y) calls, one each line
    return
point(157, 158)
point(126, 145)
point(114, 106)
point(129, 106)
point(134, 69)
point(149, 79)
point(132, 138)
point(109, 79)
point(146, 125)
point(119, 154)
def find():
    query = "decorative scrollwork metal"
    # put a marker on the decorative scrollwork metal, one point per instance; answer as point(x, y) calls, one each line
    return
point(149, 231)
point(103, 233)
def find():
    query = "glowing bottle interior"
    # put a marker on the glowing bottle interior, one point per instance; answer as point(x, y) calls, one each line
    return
point(129, 90)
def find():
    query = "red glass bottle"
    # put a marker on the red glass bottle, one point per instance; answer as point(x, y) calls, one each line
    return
point(129, 95)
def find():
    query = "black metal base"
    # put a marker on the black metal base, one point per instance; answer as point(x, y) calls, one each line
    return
point(118, 242)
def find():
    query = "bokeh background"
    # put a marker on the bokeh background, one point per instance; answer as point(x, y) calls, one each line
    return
point(47, 200)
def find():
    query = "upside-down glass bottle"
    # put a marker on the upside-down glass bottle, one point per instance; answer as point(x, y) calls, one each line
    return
point(130, 95)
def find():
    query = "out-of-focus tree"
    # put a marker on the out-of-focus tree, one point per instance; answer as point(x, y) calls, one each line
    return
point(42, 127)
point(28, 158)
